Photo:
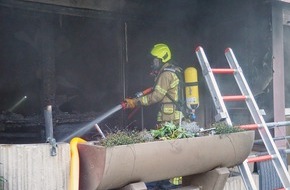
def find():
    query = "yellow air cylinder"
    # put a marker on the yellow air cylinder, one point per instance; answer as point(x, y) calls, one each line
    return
point(191, 87)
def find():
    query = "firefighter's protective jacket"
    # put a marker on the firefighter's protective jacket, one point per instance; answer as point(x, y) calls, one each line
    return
point(166, 87)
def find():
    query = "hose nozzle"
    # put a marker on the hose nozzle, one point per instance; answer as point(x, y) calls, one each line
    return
point(144, 92)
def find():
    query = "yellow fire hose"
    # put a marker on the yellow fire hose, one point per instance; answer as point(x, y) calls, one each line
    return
point(75, 164)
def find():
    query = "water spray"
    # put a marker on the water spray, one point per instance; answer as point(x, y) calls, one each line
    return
point(17, 104)
point(90, 125)
point(95, 122)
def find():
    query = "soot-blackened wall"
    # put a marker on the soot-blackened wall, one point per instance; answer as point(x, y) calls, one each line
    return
point(88, 62)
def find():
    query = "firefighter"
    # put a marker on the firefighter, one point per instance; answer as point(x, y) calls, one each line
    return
point(165, 89)
point(166, 92)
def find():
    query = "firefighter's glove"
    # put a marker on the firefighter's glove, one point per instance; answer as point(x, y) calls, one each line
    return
point(131, 103)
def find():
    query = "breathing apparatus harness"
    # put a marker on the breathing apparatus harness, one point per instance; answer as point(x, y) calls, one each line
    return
point(181, 102)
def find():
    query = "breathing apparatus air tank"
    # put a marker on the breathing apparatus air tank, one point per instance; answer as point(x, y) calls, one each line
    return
point(191, 88)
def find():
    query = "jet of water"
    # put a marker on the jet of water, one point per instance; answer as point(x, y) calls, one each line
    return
point(90, 125)
point(17, 104)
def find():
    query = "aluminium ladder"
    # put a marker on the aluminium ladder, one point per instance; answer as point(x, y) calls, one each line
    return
point(247, 96)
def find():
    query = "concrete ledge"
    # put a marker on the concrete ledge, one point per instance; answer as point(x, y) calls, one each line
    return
point(30, 166)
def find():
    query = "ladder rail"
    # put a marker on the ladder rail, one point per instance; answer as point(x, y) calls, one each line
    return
point(247, 176)
point(258, 118)
point(213, 87)
point(244, 87)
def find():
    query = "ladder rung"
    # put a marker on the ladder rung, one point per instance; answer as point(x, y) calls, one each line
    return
point(260, 158)
point(269, 125)
point(249, 126)
point(223, 71)
point(234, 98)
point(275, 139)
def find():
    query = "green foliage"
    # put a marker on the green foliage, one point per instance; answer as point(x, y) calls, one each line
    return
point(170, 131)
point(223, 128)
point(125, 137)
point(167, 131)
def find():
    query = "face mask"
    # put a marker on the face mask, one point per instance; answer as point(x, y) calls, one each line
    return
point(155, 66)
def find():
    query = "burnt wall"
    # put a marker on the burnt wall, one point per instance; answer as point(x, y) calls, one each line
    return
point(82, 54)
point(87, 60)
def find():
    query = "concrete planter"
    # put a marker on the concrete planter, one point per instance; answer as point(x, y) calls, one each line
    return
point(114, 167)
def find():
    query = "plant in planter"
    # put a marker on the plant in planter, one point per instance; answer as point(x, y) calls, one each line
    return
point(168, 131)
point(125, 138)
point(223, 128)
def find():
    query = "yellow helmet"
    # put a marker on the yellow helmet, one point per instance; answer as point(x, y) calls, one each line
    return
point(162, 52)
